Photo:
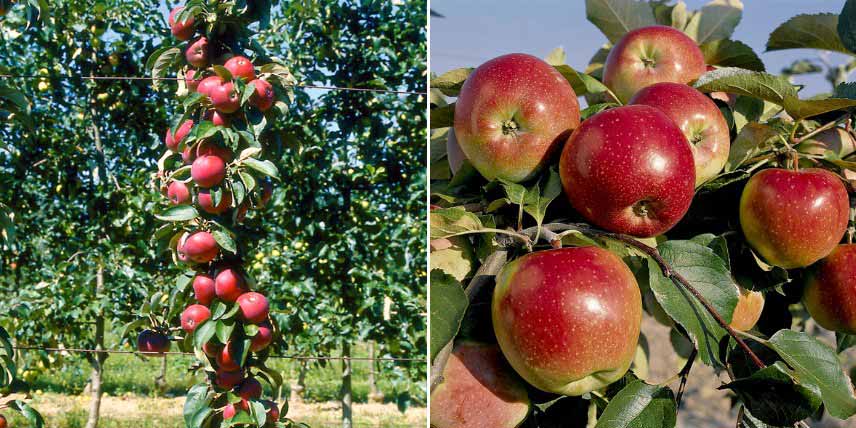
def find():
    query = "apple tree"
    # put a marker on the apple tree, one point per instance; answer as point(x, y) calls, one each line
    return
point(694, 187)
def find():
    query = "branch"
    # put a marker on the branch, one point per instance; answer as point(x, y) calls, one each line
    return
point(685, 373)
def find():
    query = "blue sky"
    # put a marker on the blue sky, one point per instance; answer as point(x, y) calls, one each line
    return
point(474, 31)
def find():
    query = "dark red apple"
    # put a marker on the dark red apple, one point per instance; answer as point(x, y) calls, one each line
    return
point(203, 289)
point(229, 285)
point(197, 53)
point(152, 343)
point(193, 316)
point(794, 218)
point(208, 171)
point(173, 141)
point(250, 389)
point(263, 96)
point(200, 247)
point(272, 411)
point(225, 98)
point(830, 291)
point(700, 120)
point(263, 338)
point(178, 193)
point(568, 320)
point(650, 55)
point(629, 170)
point(512, 114)
point(181, 30)
point(206, 202)
point(228, 379)
point(254, 307)
point(241, 68)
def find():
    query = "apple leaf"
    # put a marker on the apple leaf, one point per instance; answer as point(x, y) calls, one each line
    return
point(448, 222)
point(595, 109)
point(807, 32)
point(750, 83)
point(31, 415)
point(225, 241)
point(715, 21)
point(731, 53)
point(709, 275)
point(847, 25)
point(178, 213)
point(442, 117)
point(581, 83)
point(595, 66)
point(800, 109)
point(640, 405)
point(753, 139)
point(845, 90)
point(265, 167)
point(614, 18)
point(224, 329)
point(775, 396)
point(204, 332)
point(447, 307)
point(450, 82)
point(844, 341)
point(556, 57)
point(816, 364)
point(197, 405)
point(679, 16)
point(539, 196)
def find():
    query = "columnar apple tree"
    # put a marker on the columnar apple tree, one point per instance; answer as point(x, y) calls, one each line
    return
point(216, 182)
point(694, 186)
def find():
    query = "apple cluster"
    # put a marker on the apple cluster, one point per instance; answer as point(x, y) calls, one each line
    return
point(567, 321)
point(200, 174)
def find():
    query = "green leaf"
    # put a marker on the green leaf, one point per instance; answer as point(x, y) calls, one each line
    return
point(816, 364)
point(844, 341)
point(800, 109)
point(765, 86)
point(225, 241)
point(450, 82)
point(709, 275)
point(715, 21)
point(807, 32)
point(178, 213)
point(162, 63)
point(447, 307)
point(582, 83)
point(224, 330)
point(847, 25)
point(556, 57)
point(443, 117)
point(265, 167)
point(537, 200)
point(448, 222)
point(731, 53)
point(204, 332)
point(197, 406)
point(640, 405)
point(615, 18)
point(754, 139)
point(595, 109)
point(775, 397)
point(33, 417)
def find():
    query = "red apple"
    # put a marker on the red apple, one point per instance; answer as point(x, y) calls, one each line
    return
point(700, 120)
point(454, 154)
point(207, 148)
point(830, 291)
point(200, 247)
point(181, 30)
point(229, 358)
point(207, 84)
point(250, 389)
point(206, 202)
point(748, 309)
point(178, 193)
point(191, 81)
point(263, 96)
point(479, 389)
point(263, 338)
point(228, 379)
point(568, 320)
point(208, 170)
point(272, 411)
point(794, 218)
point(203, 289)
point(254, 307)
point(229, 284)
point(217, 118)
point(241, 68)
point(232, 409)
point(267, 193)
point(3, 423)
point(173, 141)
point(225, 98)
point(193, 316)
point(150, 342)
point(650, 55)
point(629, 170)
point(197, 53)
point(512, 113)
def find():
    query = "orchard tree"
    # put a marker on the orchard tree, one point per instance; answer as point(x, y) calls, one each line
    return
point(694, 186)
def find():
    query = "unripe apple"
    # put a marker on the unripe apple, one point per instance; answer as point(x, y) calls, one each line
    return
point(479, 389)
point(250, 389)
point(206, 202)
point(512, 114)
point(173, 141)
point(208, 171)
point(228, 379)
point(263, 96)
point(836, 140)
point(229, 358)
point(209, 83)
point(568, 320)
point(650, 55)
point(203, 289)
point(700, 120)
point(197, 53)
point(241, 68)
point(217, 118)
point(178, 193)
point(254, 307)
point(225, 98)
point(200, 247)
point(629, 170)
point(750, 304)
point(193, 316)
point(191, 81)
point(181, 30)
point(272, 411)
point(263, 338)
point(152, 343)
point(830, 290)
point(229, 285)
point(794, 218)
point(454, 154)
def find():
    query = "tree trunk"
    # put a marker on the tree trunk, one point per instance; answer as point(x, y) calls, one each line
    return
point(375, 396)
point(347, 393)
point(96, 360)
point(298, 389)
point(160, 381)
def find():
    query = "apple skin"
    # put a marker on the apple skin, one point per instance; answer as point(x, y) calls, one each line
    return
point(206, 201)
point(794, 218)
point(181, 30)
point(229, 285)
point(568, 320)
point(225, 98)
point(263, 96)
point(217, 118)
point(228, 379)
point(200, 247)
point(228, 358)
point(830, 290)
point(208, 170)
point(241, 68)
point(263, 338)
point(750, 304)
point(3, 423)
point(197, 53)
point(629, 170)
point(191, 81)
point(454, 153)
point(203, 289)
point(152, 343)
point(512, 114)
point(837, 140)
point(207, 84)
point(479, 389)
point(178, 193)
point(700, 120)
point(232, 409)
point(173, 141)
point(193, 316)
point(650, 55)
point(250, 389)
point(254, 307)
point(211, 349)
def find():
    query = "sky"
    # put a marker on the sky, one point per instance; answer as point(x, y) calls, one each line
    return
point(475, 31)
